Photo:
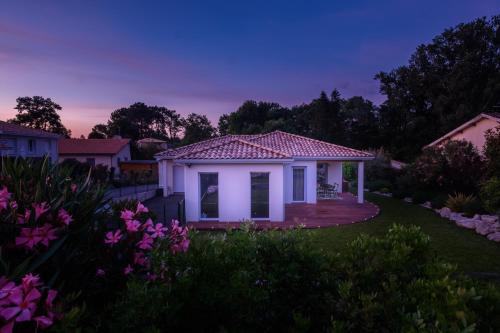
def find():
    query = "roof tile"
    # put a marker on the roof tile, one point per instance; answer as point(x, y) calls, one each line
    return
point(91, 146)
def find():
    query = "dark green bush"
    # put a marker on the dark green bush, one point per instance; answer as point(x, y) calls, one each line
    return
point(400, 193)
point(419, 197)
point(490, 195)
point(279, 281)
point(376, 185)
point(439, 201)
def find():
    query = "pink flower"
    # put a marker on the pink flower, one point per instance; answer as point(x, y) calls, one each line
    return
point(100, 272)
point(44, 321)
point(64, 216)
point(147, 224)
point(128, 270)
point(6, 288)
point(181, 246)
point(47, 234)
point(22, 219)
point(127, 215)
point(113, 238)
point(29, 238)
point(22, 307)
point(4, 198)
point(40, 209)
point(139, 259)
point(141, 208)
point(158, 231)
point(8, 328)
point(132, 225)
point(151, 276)
point(13, 204)
point(74, 188)
point(30, 281)
point(146, 243)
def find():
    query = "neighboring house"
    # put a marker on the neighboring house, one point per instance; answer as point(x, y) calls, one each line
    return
point(20, 141)
point(152, 143)
point(472, 131)
point(239, 177)
point(107, 152)
point(141, 167)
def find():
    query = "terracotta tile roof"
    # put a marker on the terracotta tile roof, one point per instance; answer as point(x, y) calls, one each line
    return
point(91, 146)
point(202, 144)
point(300, 146)
point(14, 129)
point(233, 149)
point(276, 144)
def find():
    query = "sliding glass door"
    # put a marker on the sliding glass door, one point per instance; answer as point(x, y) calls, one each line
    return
point(209, 195)
point(259, 186)
point(299, 183)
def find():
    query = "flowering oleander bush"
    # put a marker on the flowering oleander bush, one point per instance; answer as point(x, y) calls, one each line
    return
point(27, 306)
point(129, 238)
point(60, 230)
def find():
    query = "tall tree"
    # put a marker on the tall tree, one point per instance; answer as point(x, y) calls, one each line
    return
point(197, 128)
point(360, 119)
point(140, 121)
point(446, 82)
point(40, 113)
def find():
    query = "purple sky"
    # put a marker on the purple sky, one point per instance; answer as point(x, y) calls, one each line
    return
point(93, 57)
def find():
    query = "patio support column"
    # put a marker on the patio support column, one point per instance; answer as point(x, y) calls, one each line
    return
point(361, 181)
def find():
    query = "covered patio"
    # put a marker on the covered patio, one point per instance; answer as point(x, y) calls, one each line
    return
point(323, 214)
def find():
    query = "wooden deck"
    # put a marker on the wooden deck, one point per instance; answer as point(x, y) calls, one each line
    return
point(324, 214)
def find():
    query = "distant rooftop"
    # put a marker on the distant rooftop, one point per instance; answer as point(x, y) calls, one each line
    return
point(14, 129)
point(91, 146)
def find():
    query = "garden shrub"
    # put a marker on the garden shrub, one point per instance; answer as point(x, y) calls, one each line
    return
point(380, 168)
point(438, 201)
point(376, 185)
point(458, 202)
point(490, 195)
point(279, 281)
point(491, 152)
point(59, 237)
point(419, 197)
point(455, 167)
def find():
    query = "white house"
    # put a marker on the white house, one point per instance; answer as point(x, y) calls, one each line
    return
point(107, 152)
point(20, 141)
point(241, 177)
point(472, 131)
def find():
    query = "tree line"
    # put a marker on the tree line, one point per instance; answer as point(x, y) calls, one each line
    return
point(445, 83)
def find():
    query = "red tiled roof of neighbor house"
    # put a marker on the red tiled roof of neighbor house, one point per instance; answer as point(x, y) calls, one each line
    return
point(281, 144)
point(91, 146)
point(14, 129)
point(233, 149)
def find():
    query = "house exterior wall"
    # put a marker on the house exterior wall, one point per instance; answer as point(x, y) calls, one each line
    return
point(122, 155)
point(335, 174)
point(107, 160)
point(11, 145)
point(234, 190)
point(311, 180)
point(474, 133)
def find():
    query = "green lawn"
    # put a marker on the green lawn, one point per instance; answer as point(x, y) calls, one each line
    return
point(470, 251)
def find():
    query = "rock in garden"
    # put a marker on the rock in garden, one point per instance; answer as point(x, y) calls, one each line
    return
point(456, 216)
point(494, 237)
point(409, 200)
point(489, 218)
point(445, 212)
point(427, 204)
point(466, 223)
point(485, 228)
